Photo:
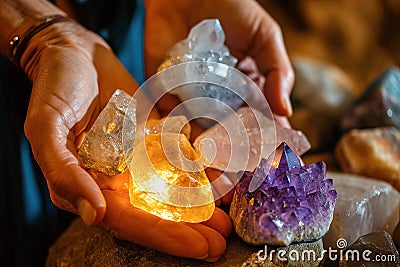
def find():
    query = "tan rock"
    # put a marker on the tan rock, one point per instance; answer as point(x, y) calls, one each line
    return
point(371, 152)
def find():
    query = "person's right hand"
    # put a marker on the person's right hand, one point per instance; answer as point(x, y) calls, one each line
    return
point(74, 73)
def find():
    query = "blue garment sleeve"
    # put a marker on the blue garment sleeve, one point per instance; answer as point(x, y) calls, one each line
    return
point(131, 53)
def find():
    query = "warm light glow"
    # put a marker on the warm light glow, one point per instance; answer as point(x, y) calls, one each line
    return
point(157, 185)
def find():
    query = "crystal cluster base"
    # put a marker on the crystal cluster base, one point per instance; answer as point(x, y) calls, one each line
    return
point(282, 202)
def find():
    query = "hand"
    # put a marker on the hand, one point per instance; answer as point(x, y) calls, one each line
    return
point(250, 32)
point(204, 241)
point(74, 73)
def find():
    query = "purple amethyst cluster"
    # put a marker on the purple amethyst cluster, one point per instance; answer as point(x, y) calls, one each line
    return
point(283, 202)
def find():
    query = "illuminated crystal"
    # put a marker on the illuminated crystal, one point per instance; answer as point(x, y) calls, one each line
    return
point(168, 180)
point(170, 124)
point(283, 202)
point(243, 138)
point(102, 148)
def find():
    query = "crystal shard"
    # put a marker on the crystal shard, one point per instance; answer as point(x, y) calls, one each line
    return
point(102, 148)
point(243, 138)
point(293, 203)
point(363, 206)
point(168, 180)
point(205, 43)
point(169, 124)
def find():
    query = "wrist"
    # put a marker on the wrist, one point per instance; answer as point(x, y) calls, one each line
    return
point(19, 43)
point(64, 36)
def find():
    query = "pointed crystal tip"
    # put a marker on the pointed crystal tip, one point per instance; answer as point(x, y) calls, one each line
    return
point(283, 202)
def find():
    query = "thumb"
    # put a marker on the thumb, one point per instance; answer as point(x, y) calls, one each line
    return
point(71, 187)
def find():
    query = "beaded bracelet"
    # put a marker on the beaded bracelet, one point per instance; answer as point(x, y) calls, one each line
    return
point(18, 44)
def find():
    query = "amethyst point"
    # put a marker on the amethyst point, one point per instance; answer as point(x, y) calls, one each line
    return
point(282, 202)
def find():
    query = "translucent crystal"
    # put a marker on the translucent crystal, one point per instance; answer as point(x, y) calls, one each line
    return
point(206, 36)
point(168, 180)
point(283, 202)
point(102, 148)
point(242, 139)
point(170, 124)
point(363, 206)
point(206, 43)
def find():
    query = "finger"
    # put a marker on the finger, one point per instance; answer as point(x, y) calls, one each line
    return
point(216, 243)
point(163, 29)
point(220, 222)
point(224, 187)
point(249, 67)
point(132, 224)
point(283, 121)
point(260, 37)
point(71, 187)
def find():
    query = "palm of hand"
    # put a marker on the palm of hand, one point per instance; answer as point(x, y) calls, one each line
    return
point(69, 89)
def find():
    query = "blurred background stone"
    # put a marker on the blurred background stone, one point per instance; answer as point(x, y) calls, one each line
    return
point(371, 152)
point(383, 252)
point(378, 106)
point(321, 93)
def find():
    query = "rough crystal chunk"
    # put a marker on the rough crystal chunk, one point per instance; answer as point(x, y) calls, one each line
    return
point(206, 43)
point(371, 152)
point(363, 206)
point(102, 148)
point(243, 138)
point(293, 203)
point(168, 180)
point(206, 36)
point(378, 106)
point(170, 124)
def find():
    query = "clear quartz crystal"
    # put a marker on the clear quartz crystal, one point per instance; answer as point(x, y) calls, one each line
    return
point(102, 148)
point(205, 43)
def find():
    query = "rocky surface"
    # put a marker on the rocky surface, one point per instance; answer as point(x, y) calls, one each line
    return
point(83, 246)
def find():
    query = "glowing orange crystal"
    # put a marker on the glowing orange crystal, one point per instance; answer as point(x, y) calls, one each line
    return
point(168, 179)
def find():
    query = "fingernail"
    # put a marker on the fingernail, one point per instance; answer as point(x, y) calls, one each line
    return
point(202, 258)
point(288, 106)
point(86, 211)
